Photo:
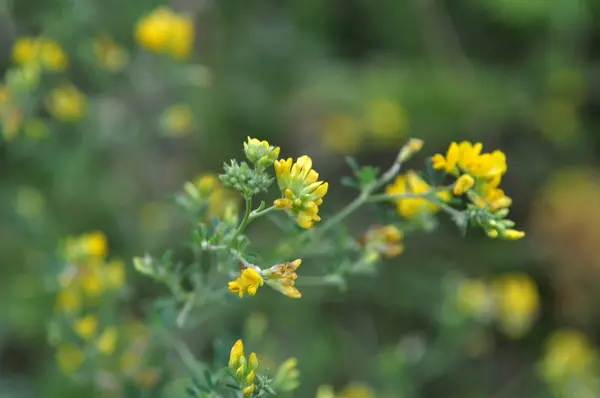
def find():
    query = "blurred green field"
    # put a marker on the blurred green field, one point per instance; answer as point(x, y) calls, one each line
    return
point(106, 112)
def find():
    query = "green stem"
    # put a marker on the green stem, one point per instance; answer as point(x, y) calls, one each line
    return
point(244, 223)
point(326, 280)
point(259, 213)
point(346, 211)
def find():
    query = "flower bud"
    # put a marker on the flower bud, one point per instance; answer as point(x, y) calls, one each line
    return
point(413, 146)
point(260, 153)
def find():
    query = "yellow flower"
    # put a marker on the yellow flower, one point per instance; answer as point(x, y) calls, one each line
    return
point(92, 279)
point(342, 133)
point(386, 240)
point(463, 184)
point(386, 119)
point(260, 153)
point(282, 277)
point(287, 376)
point(569, 355)
point(461, 155)
point(40, 51)
point(68, 300)
point(107, 340)
point(12, 119)
point(474, 298)
point(412, 183)
point(491, 196)
point(248, 282)
point(109, 54)
point(488, 165)
point(253, 362)
point(248, 390)
point(208, 189)
point(86, 327)
point(517, 303)
point(513, 234)
point(178, 120)
point(163, 31)
point(95, 244)
point(236, 354)
point(302, 193)
point(69, 358)
point(66, 103)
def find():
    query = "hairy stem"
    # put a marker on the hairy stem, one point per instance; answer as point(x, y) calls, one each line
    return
point(244, 223)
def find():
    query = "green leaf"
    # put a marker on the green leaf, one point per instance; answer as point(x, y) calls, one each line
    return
point(349, 182)
point(353, 164)
point(367, 175)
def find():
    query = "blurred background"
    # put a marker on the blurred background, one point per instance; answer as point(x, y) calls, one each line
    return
point(108, 107)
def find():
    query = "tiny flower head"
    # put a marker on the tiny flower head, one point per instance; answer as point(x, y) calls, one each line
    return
point(66, 103)
point(177, 120)
point(109, 54)
point(260, 153)
point(463, 184)
point(447, 163)
point(413, 146)
point(248, 282)
point(247, 391)
point(86, 327)
point(513, 234)
point(107, 340)
point(517, 303)
point(302, 193)
point(488, 165)
point(163, 31)
point(282, 277)
point(386, 240)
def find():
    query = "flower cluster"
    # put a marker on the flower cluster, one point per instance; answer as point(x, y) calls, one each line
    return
point(382, 241)
point(512, 300)
point(302, 192)
point(83, 329)
point(570, 365)
point(110, 56)
point(166, 32)
point(280, 277)
point(478, 175)
point(66, 103)
point(243, 370)
point(39, 52)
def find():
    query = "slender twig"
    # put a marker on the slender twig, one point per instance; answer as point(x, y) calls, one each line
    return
point(259, 213)
point(244, 222)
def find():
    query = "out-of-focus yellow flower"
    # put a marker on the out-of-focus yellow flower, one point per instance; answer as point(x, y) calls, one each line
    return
point(260, 153)
point(282, 277)
point(463, 184)
point(287, 377)
point(69, 358)
point(91, 278)
point(517, 303)
point(68, 300)
point(30, 203)
point(109, 54)
point(208, 189)
point(468, 158)
point(412, 183)
point(248, 282)
point(325, 391)
point(66, 103)
point(357, 390)
point(40, 51)
point(86, 327)
point(163, 31)
point(385, 240)
point(115, 273)
point(386, 119)
point(302, 193)
point(569, 356)
point(474, 298)
point(342, 133)
point(94, 244)
point(107, 341)
point(177, 120)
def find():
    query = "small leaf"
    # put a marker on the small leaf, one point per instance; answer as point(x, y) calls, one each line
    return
point(208, 378)
point(349, 182)
point(353, 164)
point(367, 174)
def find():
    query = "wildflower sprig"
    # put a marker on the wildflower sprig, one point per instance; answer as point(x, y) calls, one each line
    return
point(223, 267)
